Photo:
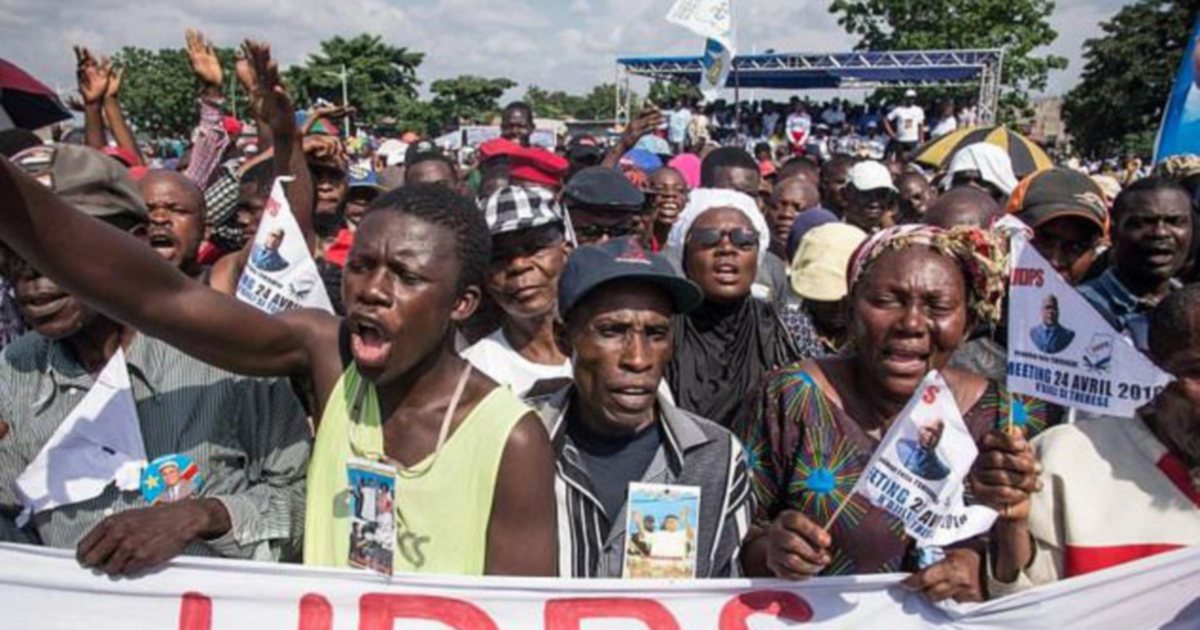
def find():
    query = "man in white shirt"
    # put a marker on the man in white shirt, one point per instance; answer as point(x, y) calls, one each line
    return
point(905, 126)
point(677, 126)
point(834, 116)
point(770, 118)
point(799, 126)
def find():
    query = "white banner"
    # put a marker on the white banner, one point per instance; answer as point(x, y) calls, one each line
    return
point(717, 63)
point(281, 274)
point(1061, 350)
point(712, 19)
point(917, 472)
point(45, 589)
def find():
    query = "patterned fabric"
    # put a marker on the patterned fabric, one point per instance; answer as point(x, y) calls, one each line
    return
point(805, 454)
point(983, 258)
point(209, 142)
point(11, 324)
point(516, 208)
point(800, 326)
point(220, 198)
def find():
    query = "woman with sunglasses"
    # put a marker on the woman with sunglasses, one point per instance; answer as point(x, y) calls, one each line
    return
point(724, 347)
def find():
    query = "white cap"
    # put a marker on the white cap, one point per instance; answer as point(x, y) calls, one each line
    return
point(910, 93)
point(871, 175)
point(393, 151)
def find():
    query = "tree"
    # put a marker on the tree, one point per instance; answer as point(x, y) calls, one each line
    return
point(599, 104)
point(468, 97)
point(1018, 26)
point(382, 79)
point(158, 92)
point(666, 94)
point(1127, 77)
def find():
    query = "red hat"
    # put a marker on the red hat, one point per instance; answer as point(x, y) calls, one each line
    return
point(233, 126)
point(123, 155)
point(538, 166)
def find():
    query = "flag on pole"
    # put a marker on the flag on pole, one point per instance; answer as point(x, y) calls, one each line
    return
point(713, 20)
point(1061, 350)
point(1180, 130)
point(917, 473)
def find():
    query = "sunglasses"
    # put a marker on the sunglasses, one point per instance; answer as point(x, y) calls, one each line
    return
point(589, 233)
point(709, 238)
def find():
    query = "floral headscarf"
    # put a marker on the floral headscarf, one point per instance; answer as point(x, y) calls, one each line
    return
point(982, 257)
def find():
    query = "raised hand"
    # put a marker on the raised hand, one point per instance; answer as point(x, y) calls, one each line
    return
point(114, 81)
point(92, 76)
point(274, 105)
point(204, 59)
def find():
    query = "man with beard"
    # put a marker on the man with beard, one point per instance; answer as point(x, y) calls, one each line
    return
point(1103, 491)
point(247, 437)
point(1151, 237)
point(475, 466)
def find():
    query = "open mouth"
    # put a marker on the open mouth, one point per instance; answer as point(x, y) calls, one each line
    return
point(906, 361)
point(726, 273)
point(164, 243)
point(369, 344)
point(632, 397)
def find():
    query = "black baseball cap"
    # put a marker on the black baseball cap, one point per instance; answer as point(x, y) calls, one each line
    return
point(1059, 192)
point(604, 188)
point(592, 266)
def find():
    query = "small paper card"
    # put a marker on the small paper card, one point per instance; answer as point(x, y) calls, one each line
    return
point(660, 531)
point(372, 515)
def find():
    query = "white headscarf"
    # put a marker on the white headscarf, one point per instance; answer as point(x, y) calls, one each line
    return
point(992, 162)
point(702, 200)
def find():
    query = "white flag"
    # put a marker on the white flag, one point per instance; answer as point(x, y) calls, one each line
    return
point(718, 61)
point(99, 442)
point(281, 274)
point(917, 472)
point(1060, 349)
point(711, 19)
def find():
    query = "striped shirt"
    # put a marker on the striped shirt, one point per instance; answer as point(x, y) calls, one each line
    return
point(694, 452)
point(248, 436)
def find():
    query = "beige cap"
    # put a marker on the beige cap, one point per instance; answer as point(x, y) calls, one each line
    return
point(819, 268)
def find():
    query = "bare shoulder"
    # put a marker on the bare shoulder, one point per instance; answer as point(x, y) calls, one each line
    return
point(318, 332)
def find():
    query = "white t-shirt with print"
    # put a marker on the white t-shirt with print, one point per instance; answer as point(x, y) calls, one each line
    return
point(907, 122)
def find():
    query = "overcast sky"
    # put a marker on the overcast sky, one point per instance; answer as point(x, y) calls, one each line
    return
point(556, 44)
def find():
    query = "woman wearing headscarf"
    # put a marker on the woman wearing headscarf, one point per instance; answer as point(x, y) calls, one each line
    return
point(724, 347)
point(915, 292)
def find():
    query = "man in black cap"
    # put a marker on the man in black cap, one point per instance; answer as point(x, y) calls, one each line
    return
point(603, 205)
point(613, 427)
point(247, 437)
point(1067, 213)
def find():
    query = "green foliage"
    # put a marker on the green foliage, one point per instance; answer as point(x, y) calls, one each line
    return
point(666, 94)
point(158, 92)
point(1018, 26)
point(382, 81)
point(599, 104)
point(469, 98)
point(1127, 77)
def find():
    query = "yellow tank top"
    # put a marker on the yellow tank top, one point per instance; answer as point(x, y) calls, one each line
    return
point(442, 514)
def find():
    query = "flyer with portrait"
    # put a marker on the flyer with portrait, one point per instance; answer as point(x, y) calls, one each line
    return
point(661, 523)
point(281, 274)
point(1061, 350)
point(916, 474)
point(372, 515)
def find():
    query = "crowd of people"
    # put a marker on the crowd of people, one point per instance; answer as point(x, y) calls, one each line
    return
point(519, 342)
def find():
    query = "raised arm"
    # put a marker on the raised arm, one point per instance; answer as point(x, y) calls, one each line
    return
point(113, 114)
point(93, 86)
point(279, 115)
point(646, 122)
point(210, 137)
point(129, 282)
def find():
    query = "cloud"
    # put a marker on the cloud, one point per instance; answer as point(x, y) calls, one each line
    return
point(550, 43)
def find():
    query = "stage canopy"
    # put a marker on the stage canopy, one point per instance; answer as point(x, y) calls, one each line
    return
point(853, 70)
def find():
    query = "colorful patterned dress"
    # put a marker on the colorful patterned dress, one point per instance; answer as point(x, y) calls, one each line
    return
point(806, 454)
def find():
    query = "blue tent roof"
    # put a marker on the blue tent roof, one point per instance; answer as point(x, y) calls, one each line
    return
point(798, 71)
